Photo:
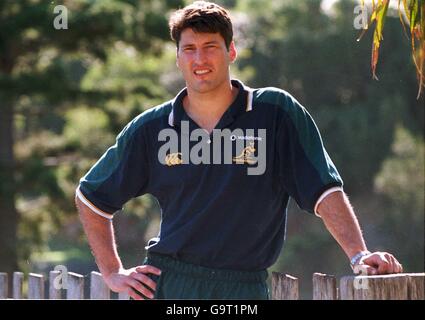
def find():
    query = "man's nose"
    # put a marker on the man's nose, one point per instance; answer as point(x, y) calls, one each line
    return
point(200, 56)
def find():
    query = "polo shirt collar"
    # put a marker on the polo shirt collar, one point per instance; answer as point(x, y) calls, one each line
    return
point(242, 104)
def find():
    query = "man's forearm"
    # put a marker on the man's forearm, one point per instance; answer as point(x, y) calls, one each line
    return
point(339, 218)
point(100, 235)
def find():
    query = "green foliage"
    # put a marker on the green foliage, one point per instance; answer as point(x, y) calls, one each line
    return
point(401, 181)
point(66, 116)
point(367, 129)
point(401, 177)
point(351, 111)
point(414, 13)
point(87, 130)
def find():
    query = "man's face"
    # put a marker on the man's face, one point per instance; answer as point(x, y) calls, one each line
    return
point(204, 60)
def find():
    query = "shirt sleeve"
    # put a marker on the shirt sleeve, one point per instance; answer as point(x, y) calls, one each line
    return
point(305, 168)
point(119, 175)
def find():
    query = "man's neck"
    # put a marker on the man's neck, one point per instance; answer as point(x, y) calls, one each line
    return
point(207, 108)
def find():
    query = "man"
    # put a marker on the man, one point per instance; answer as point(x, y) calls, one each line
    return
point(222, 225)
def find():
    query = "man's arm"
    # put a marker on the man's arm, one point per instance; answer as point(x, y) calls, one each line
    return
point(339, 218)
point(100, 235)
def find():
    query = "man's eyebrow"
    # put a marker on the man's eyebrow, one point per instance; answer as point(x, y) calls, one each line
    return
point(211, 42)
point(188, 45)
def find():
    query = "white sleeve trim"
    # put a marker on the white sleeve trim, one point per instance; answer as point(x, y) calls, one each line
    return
point(92, 206)
point(249, 100)
point(323, 196)
point(171, 119)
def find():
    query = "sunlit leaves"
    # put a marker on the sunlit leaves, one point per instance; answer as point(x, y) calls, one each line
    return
point(414, 10)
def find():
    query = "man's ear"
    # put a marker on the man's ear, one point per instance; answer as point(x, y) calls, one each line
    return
point(233, 53)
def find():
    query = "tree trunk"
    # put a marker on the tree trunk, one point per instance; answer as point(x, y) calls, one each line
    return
point(8, 213)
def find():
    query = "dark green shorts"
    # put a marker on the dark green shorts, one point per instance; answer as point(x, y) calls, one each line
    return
point(181, 280)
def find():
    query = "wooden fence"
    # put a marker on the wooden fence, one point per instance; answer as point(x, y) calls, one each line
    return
point(406, 286)
point(403, 286)
point(70, 287)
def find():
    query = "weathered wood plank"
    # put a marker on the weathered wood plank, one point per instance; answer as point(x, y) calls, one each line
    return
point(55, 286)
point(98, 287)
point(75, 286)
point(17, 286)
point(416, 286)
point(284, 287)
point(401, 286)
point(346, 288)
point(4, 285)
point(382, 287)
point(35, 286)
point(324, 287)
point(123, 296)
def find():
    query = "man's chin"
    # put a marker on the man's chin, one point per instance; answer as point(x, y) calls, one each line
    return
point(202, 87)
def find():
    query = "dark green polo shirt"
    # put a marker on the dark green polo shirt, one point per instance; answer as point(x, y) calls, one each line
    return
point(215, 213)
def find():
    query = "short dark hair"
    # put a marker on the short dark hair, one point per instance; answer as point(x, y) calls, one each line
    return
point(203, 17)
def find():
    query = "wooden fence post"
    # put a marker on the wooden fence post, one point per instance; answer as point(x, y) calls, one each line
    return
point(416, 286)
point(55, 292)
point(98, 287)
point(284, 287)
point(18, 281)
point(35, 286)
point(384, 287)
point(123, 296)
point(75, 286)
point(4, 287)
point(402, 286)
point(346, 290)
point(324, 287)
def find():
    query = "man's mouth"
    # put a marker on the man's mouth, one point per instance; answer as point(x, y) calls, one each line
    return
point(201, 72)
